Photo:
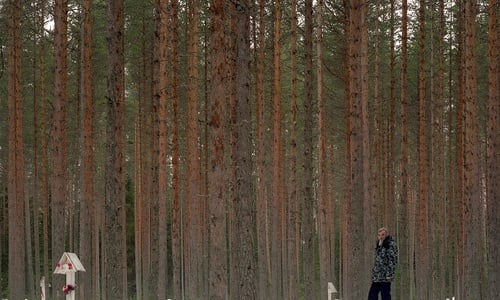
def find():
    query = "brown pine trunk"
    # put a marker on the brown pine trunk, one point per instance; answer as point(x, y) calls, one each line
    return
point(359, 211)
point(176, 185)
point(244, 205)
point(58, 194)
point(293, 230)
point(16, 201)
point(87, 288)
point(263, 256)
point(345, 205)
point(189, 212)
point(152, 180)
point(378, 151)
point(404, 262)
point(277, 211)
point(232, 137)
point(422, 245)
point(325, 203)
point(473, 259)
point(218, 284)
point(438, 167)
point(460, 151)
point(493, 153)
point(36, 161)
point(44, 176)
point(390, 207)
point(403, 209)
point(115, 269)
point(308, 228)
point(138, 199)
point(161, 93)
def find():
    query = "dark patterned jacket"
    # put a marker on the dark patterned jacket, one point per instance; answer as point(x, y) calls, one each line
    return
point(386, 258)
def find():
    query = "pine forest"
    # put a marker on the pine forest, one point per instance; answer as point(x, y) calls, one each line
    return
point(248, 149)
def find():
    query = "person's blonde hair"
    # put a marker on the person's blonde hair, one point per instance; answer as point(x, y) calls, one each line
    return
point(383, 229)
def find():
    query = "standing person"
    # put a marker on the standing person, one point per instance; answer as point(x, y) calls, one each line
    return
point(386, 258)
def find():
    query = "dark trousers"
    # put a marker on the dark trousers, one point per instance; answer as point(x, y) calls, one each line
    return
point(384, 288)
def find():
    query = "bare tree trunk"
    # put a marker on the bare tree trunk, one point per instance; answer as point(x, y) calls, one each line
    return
point(244, 206)
point(403, 208)
point(493, 153)
point(194, 187)
point(87, 209)
point(308, 226)
point(460, 152)
point(36, 161)
point(344, 281)
point(473, 260)
point(216, 180)
point(161, 92)
point(422, 244)
point(293, 225)
point(58, 193)
point(153, 182)
point(115, 272)
point(263, 255)
point(359, 210)
point(138, 199)
point(176, 184)
point(44, 152)
point(379, 197)
point(438, 166)
point(16, 193)
point(277, 202)
point(390, 203)
point(325, 200)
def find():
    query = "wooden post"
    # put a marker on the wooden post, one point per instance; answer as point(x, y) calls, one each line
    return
point(42, 288)
point(70, 281)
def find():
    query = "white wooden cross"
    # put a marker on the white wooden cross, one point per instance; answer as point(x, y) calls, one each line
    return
point(68, 265)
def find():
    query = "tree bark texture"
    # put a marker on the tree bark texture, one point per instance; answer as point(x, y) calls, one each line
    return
point(115, 278)
point(16, 178)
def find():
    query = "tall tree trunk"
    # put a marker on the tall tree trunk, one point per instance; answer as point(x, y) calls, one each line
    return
point(153, 183)
point(87, 287)
point(379, 197)
point(403, 237)
point(493, 153)
point(36, 160)
point(325, 202)
point(194, 187)
point(44, 152)
point(473, 260)
point(176, 185)
point(293, 230)
point(115, 272)
point(345, 205)
point(308, 226)
point(16, 201)
point(244, 206)
point(58, 192)
point(359, 209)
point(460, 151)
point(263, 256)
point(218, 287)
point(390, 203)
point(161, 92)
point(438, 166)
point(277, 202)
point(422, 245)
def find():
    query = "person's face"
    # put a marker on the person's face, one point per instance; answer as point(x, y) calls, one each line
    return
point(382, 235)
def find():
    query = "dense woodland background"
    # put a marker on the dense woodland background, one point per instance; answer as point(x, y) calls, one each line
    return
point(249, 149)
